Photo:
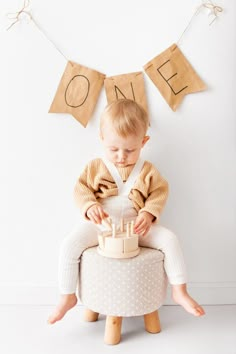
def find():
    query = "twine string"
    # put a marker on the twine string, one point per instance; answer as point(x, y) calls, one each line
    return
point(16, 17)
point(215, 10)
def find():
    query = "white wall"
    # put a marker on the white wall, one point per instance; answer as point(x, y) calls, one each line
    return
point(42, 154)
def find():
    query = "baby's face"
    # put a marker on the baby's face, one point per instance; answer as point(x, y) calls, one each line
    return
point(119, 150)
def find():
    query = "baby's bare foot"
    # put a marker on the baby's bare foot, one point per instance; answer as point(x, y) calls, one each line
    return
point(181, 297)
point(65, 304)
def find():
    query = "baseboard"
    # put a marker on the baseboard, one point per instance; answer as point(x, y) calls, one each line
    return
point(220, 293)
point(28, 294)
point(214, 293)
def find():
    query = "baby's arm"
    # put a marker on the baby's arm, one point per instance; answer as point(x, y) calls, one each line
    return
point(156, 192)
point(143, 223)
point(155, 187)
point(84, 192)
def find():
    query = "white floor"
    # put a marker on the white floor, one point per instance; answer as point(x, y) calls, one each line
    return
point(23, 330)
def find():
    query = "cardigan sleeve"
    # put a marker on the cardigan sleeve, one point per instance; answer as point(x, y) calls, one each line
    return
point(84, 192)
point(157, 195)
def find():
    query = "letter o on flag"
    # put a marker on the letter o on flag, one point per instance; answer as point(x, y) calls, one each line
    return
point(77, 91)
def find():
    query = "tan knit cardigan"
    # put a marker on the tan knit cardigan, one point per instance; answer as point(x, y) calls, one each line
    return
point(149, 192)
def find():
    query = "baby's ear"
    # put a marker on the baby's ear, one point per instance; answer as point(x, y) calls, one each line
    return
point(145, 139)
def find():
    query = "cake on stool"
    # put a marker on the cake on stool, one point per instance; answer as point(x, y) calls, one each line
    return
point(118, 242)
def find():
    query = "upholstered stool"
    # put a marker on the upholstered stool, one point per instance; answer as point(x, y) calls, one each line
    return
point(122, 288)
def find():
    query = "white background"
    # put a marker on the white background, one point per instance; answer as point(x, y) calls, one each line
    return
point(42, 154)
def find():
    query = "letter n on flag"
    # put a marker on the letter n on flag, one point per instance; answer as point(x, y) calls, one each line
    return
point(173, 76)
point(129, 86)
point(78, 92)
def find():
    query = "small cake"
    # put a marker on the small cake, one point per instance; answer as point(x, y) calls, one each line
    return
point(119, 242)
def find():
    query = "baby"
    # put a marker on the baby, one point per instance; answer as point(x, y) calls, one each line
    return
point(100, 192)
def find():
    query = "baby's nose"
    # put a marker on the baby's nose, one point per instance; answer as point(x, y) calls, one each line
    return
point(121, 155)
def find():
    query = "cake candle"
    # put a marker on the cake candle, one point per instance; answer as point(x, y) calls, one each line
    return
point(132, 227)
point(128, 230)
point(107, 223)
point(113, 230)
point(122, 225)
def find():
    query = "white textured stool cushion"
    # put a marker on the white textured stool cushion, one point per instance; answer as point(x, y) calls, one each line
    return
point(122, 287)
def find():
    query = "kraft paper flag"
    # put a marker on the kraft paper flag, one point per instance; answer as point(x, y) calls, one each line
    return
point(78, 92)
point(129, 86)
point(174, 76)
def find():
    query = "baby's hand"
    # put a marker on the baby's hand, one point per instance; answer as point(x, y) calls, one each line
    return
point(143, 223)
point(96, 213)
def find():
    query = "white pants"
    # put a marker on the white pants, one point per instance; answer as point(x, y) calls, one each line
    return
point(85, 235)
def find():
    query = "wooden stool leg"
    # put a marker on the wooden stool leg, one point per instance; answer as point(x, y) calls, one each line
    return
point(152, 322)
point(90, 316)
point(113, 330)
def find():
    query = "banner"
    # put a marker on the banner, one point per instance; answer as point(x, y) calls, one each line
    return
point(80, 86)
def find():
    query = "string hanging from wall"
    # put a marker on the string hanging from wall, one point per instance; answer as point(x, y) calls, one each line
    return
point(80, 86)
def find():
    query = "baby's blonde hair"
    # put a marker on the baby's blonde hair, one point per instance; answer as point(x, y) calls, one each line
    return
point(126, 116)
